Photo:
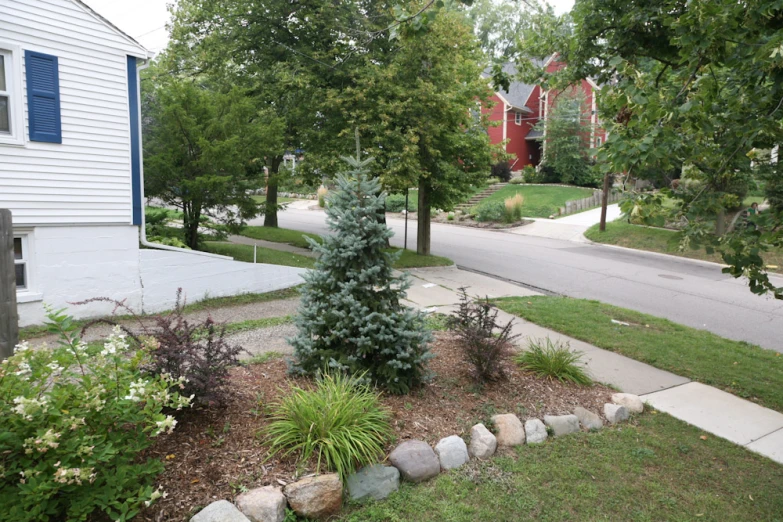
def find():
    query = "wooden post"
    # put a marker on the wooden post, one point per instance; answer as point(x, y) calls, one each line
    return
point(604, 203)
point(9, 315)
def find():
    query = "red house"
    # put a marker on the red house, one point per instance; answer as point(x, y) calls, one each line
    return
point(521, 107)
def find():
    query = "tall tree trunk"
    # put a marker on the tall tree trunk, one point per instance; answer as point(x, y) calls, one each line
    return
point(423, 223)
point(190, 219)
point(270, 210)
point(720, 223)
point(604, 203)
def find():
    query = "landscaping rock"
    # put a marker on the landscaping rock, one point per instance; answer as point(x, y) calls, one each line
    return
point(509, 430)
point(482, 443)
point(452, 452)
point(376, 481)
point(265, 504)
point(220, 511)
point(315, 497)
point(562, 424)
point(535, 431)
point(588, 419)
point(633, 403)
point(415, 460)
point(615, 413)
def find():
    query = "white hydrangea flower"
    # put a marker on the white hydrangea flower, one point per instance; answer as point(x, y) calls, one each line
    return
point(24, 370)
point(166, 424)
point(22, 347)
point(27, 407)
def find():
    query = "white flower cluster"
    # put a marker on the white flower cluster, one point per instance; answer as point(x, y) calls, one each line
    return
point(137, 391)
point(74, 475)
point(27, 407)
point(166, 424)
point(116, 342)
point(43, 443)
point(155, 496)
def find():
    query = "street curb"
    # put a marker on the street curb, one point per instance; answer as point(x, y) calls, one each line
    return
point(701, 262)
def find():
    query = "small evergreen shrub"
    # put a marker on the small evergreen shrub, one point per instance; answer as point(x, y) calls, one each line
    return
point(514, 208)
point(490, 211)
point(487, 345)
point(529, 174)
point(502, 171)
point(74, 421)
point(450, 216)
point(555, 361)
point(340, 423)
point(322, 193)
point(350, 318)
point(196, 352)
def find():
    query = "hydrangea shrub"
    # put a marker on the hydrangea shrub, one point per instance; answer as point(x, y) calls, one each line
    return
point(74, 419)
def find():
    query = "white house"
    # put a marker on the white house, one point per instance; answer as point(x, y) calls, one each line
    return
point(71, 171)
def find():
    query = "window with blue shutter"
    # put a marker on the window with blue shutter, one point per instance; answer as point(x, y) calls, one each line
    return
point(43, 97)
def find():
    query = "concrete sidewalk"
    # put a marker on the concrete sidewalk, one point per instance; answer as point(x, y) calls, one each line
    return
point(568, 228)
point(742, 422)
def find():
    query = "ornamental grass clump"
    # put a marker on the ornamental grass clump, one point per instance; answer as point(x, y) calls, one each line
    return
point(74, 420)
point(340, 423)
point(322, 193)
point(554, 360)
point(351, 318)
point(514, 208)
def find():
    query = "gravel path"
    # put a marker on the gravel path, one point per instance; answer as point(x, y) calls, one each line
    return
point(263, 340)
point(229, 314)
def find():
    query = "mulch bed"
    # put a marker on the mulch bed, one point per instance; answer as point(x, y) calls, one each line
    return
point(213, 454)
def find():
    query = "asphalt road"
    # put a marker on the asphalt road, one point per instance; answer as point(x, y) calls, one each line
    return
point(688, 292)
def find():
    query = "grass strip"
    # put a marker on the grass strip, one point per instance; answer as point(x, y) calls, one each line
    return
point(664, 241)
point(280, 235)
point(740, 368)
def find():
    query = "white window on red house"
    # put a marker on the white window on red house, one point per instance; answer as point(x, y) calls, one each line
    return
point(518, 118)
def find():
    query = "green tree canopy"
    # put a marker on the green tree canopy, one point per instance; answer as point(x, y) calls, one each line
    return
point(200, 149)
point(689, 85)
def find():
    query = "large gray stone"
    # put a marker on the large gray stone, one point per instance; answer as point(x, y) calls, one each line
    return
point(220, 511)
point(633, 403)
point(376, 481)
point(535, 431)
point(265, 504)
point(615, 413)
point(415, 460)
point(562, 424)
point(588, 419)
point(316, 497)
point(482, 442)
point(509, 430)
point(452, 452)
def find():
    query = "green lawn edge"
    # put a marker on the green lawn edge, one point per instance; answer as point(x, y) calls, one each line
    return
point(740, 368)
point(653, 468)
point(540, 200)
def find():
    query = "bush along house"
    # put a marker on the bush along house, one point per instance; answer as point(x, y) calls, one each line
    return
point(71, 171)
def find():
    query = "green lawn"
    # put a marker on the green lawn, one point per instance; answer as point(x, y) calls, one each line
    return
point(662, 240)
point(264, 255)
point(409, 258)
point(540, 200)
point(655, 468)
point(280, 235)
point(737, 367)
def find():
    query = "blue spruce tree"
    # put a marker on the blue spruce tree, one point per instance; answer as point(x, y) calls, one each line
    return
point(350, 317)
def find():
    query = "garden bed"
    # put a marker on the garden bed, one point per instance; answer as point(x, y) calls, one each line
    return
point(217, 454)
point(463, 220)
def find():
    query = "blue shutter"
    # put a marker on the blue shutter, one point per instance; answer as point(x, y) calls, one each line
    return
point(43, 97)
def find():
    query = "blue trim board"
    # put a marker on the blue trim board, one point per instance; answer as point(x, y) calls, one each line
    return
point(133, 104)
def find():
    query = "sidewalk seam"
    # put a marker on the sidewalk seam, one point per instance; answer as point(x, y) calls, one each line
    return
point(764, 436)
point(512, 281)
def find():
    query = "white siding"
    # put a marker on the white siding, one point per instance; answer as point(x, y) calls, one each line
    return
point(87, 178)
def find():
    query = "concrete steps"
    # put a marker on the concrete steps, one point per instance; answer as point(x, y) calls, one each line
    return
point(476, 199)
